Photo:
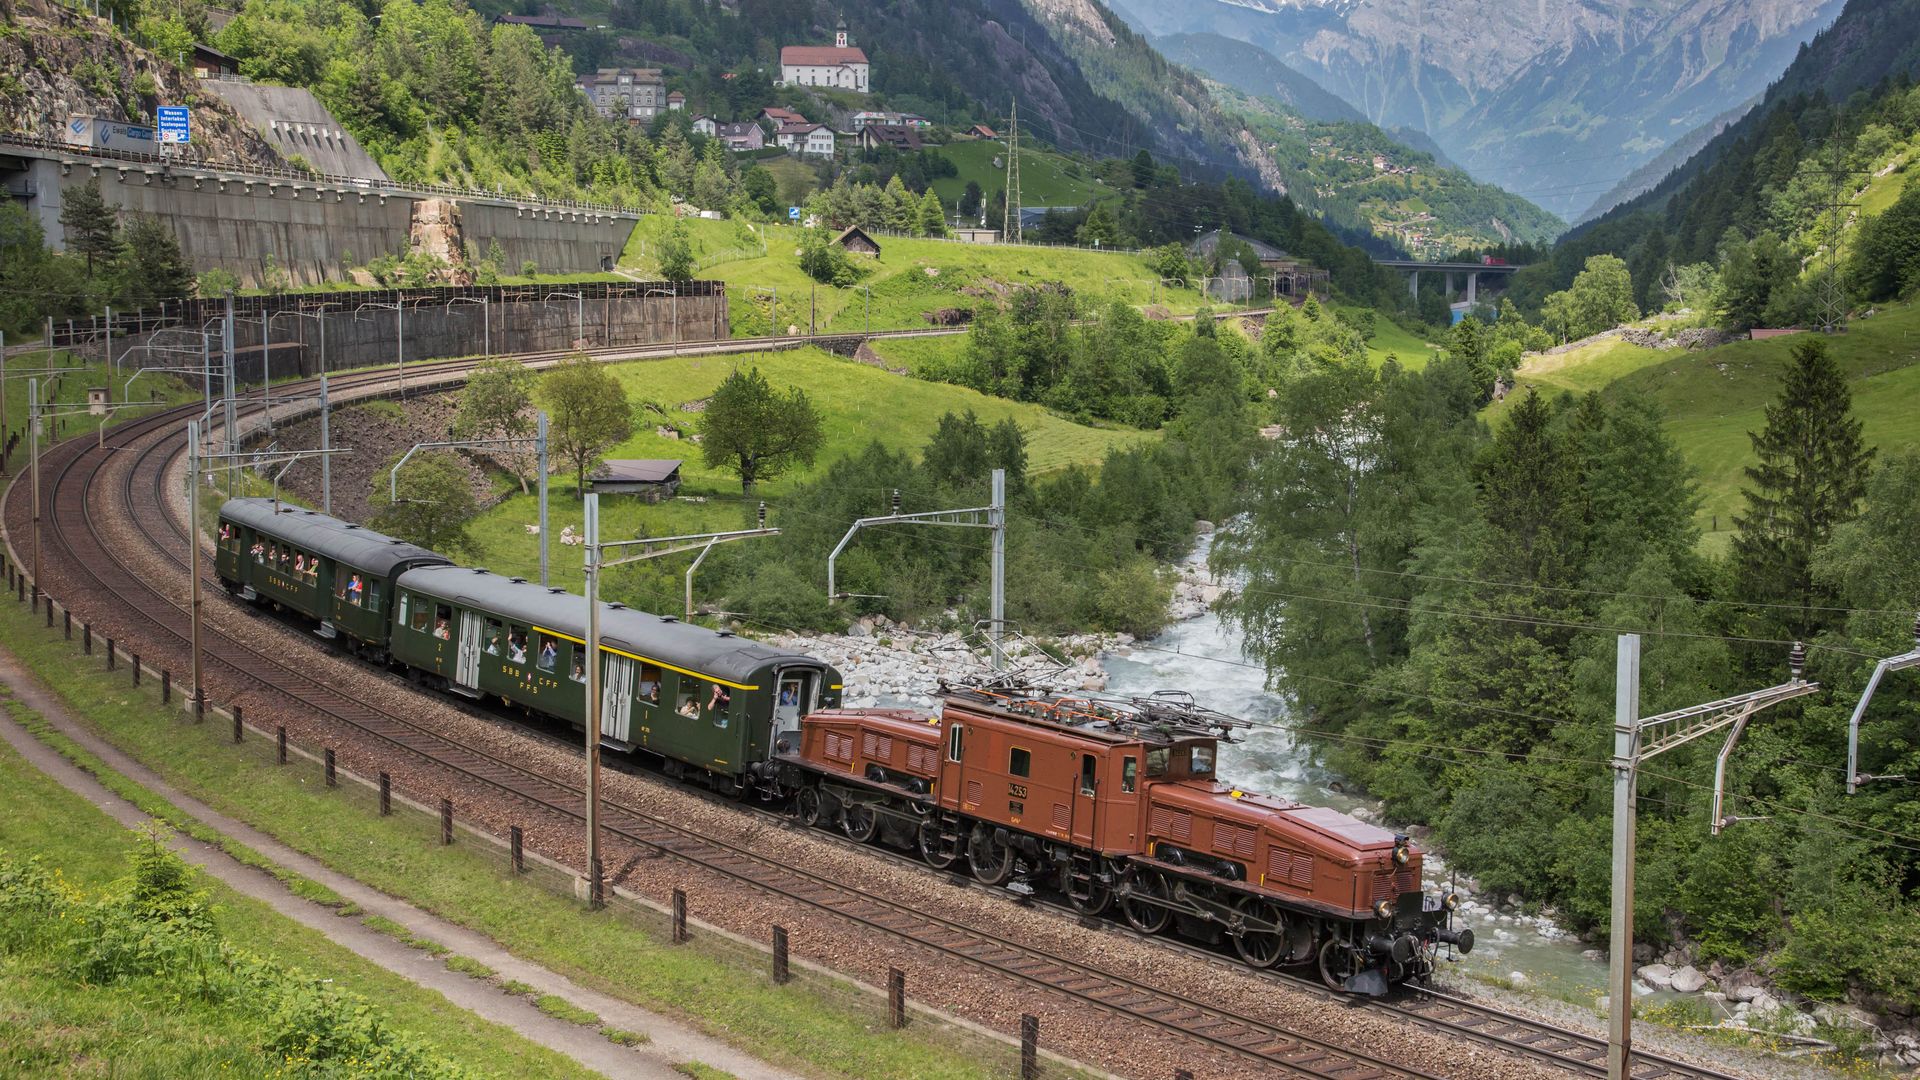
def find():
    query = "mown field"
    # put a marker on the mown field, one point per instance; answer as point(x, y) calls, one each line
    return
point(1715, 397)
point(1045, 178)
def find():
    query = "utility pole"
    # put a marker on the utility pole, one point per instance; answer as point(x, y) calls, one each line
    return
point(193, 549)
point(1010, 226)
point(540, 455)
point(33, 453)
point(1662, 733)
point(993, 516)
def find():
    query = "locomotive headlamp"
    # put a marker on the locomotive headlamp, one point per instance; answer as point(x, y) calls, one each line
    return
point(1451, 901)
point(1402, 849)
point(1383, 909)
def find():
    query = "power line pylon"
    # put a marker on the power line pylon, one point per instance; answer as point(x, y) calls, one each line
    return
point(1831, 290)
point(1010, 227)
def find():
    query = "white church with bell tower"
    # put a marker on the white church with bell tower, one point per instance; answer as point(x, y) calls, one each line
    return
point(839, 66)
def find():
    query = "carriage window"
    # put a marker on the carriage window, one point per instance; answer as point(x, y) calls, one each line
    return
point(1157, 761)
point(355, 589)
point(516, 644)
point(718, 703)
point(419, 619)
point(548, 658)
point(443, 621)
point(579, 672)
point(649, 691)
point(1019, 762)
point(956, 739)
point(1129, 773)
point(1202, 761)
point(494, 638)
point(686, 703)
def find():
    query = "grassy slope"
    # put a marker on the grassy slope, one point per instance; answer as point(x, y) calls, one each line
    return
point(858, 402)
point(70, 390)
point(51, 1024)
point(1391, 339)
point(902, 289)
point(798, 1027)
point(1714, 398)
point(1043, 175)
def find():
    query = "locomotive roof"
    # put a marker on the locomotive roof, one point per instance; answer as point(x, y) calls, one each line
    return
point(1161, 718)
point(341, 541)
point(697, 650)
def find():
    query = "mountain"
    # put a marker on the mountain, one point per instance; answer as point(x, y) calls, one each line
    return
point(1253, 70)
point(1646, 177)
point(1557, 105)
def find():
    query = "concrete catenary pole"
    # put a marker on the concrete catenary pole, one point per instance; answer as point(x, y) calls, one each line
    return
point(33, 452)
point(193, 549)
point(1626, 748)
point(593, 680)
point(540, 464)
point(326, 442)
point(997, 613)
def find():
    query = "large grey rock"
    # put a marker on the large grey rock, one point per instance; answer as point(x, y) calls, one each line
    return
point(1658, 976)
point(1746, 991)
point(1689, 980)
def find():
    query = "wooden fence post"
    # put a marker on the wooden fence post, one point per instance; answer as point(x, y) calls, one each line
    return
point(679, 916)
point(386, 795)
point(166, 687)
point(282, 740)
point(327, 756)
point(516, 847)
point(239, 725)
point(446, 821)
point(896, 998)
point(1029, 1046)
point(86, 638)
point(780, 972)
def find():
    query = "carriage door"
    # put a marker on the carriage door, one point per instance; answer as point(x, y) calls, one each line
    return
point(616, 698)
point(466, 660)
point(1085, 791)
point(792, 701)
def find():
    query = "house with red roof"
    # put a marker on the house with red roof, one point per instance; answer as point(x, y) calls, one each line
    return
point(839, 66)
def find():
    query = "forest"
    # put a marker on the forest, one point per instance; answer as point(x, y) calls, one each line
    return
point(1440, 600)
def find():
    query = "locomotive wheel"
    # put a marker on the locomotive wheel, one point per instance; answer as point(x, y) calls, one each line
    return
point(933, 847)
point(860, 823)
point(1260, 948)
point(1148, 918)
point(807, 803)
point(1336, 963)
point(992, 860)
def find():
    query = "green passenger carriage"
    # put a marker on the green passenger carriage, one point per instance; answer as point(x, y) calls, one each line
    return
point(707, 701)
point(329, 570)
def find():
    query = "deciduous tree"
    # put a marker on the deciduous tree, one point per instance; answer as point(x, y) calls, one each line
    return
point(759, 432)
point(587, 413)
point(497, 403)
point(434, 506)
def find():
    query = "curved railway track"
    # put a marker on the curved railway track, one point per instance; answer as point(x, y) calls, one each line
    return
point(75, 539)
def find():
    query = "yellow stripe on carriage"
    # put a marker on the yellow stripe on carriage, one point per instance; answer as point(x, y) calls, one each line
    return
point(647, 660)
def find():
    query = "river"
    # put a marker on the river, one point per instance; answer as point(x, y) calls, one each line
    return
point(1203, 656)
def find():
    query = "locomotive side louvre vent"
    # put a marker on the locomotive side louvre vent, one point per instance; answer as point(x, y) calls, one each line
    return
point(1290, 867)
point(1175, 825)
point(975, 793)
point(1232, 839)
point(1405, 880)
point(1062, 818)
point(922, 759)
point(1383, 885)
point(876, 747)
point(839, 746)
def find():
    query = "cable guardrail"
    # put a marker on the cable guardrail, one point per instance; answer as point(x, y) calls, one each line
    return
point(271, 172)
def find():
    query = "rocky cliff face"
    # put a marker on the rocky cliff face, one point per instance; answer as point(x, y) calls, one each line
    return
point(56, 62)
point(1554, 99)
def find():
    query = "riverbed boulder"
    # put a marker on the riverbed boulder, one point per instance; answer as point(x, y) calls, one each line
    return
point(1658, 976)
point(1688, 980)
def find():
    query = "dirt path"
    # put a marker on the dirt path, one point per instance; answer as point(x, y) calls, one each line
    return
point(671, 1043)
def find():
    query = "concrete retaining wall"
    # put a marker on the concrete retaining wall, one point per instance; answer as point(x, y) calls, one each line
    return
point(317, 232)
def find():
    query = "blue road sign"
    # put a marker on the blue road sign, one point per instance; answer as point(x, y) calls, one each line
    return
point(793, 213)
point(174, 124)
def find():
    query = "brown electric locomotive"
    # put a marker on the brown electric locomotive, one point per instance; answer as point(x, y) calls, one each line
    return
point(1115, 802)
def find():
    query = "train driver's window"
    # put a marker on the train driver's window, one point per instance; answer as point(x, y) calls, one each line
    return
point(443, 622)
point(956, 741)
point(1019, 762)
point(418, 620)
point(1157, 761)
point(494, 638)
point(650, 684)
point(1201, 764)
point(1129, 774)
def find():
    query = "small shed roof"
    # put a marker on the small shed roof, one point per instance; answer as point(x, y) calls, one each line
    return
point(855, 232)
point(637, 470)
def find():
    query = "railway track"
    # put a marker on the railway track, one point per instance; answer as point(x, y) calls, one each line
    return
point(76, 536)
point(77, 542)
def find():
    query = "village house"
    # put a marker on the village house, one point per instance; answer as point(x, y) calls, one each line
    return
point(775, 115)
point(213, 64)
point(870, 118)
point(743, 136)
point(632, 94)
point(652, 479)
point(839, 66)
point(889, 137)
point(676, 101)
point(807, 140)
point(705, 125)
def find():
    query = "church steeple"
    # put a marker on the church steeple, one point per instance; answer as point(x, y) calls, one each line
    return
point(840, 32)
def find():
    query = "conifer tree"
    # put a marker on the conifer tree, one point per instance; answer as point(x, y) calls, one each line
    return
point(933, 216)
point(1811, 477)
point(89, 222)
point(151, 265)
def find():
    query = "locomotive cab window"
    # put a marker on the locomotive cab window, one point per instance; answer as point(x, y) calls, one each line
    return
point(1089, 765)
point(1129, 774)
point(1019, 762)
point(1201, 762)
point(956, 741)
point(1157, 761)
